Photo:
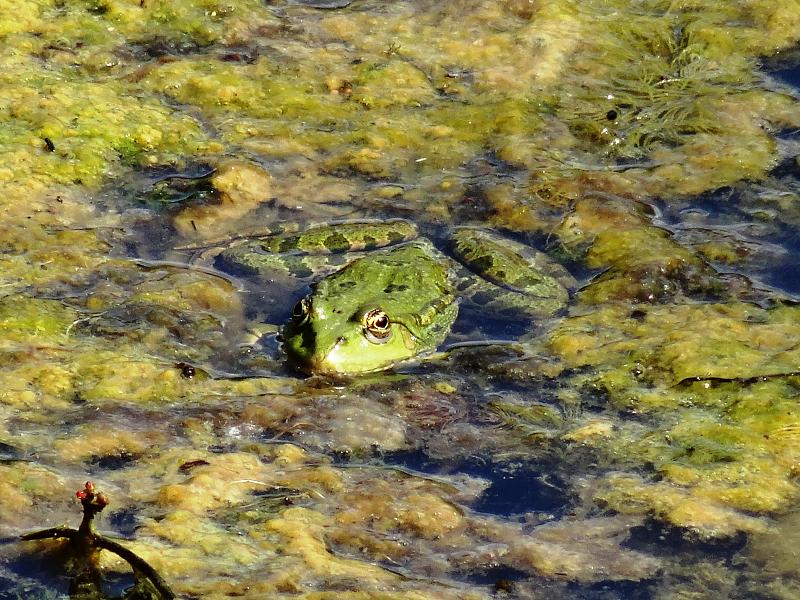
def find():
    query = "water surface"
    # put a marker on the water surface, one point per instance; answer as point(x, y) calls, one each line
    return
point(643, 443)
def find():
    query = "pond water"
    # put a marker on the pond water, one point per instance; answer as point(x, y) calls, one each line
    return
point(640, 440)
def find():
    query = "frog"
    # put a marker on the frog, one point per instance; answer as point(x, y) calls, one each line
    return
point(380, 294)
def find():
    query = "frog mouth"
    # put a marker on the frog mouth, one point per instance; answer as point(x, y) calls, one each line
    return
point(303, 355)
point(332, 363)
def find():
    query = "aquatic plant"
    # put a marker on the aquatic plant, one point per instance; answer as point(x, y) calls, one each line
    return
point(655, 84)
point(85, 544)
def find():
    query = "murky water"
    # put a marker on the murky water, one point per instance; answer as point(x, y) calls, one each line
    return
point(643, 442)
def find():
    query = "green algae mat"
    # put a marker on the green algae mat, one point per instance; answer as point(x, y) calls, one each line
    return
point(640, 442)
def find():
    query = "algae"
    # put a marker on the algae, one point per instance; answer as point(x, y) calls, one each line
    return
point(664, 399)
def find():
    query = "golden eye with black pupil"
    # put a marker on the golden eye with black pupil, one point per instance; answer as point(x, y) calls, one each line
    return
point(301, 310)
point(377, 326)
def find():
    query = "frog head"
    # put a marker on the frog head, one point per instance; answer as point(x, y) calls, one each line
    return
point(377, 311)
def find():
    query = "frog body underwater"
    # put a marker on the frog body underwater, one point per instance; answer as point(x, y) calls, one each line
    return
point(397, 296)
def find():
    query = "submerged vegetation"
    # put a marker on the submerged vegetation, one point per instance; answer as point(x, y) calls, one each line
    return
point(651, 429)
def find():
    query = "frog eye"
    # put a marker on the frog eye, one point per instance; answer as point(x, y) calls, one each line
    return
point(377, 326)
point(301, 310)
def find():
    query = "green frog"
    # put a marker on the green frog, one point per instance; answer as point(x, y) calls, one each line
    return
point(381, 294)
